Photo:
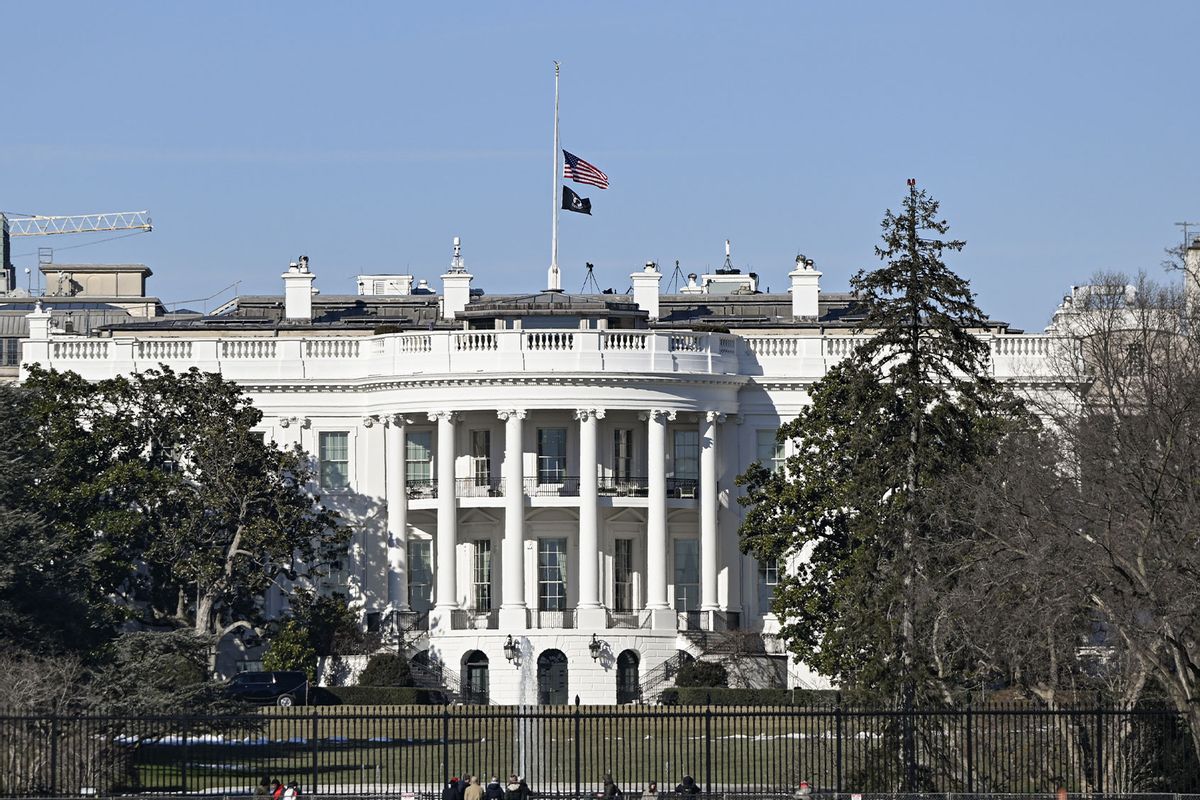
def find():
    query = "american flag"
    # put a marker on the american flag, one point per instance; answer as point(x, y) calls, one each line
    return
point(580, 171)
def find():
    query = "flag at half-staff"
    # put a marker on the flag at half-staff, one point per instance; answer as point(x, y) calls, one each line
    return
point(580, 171)
point(573, 202)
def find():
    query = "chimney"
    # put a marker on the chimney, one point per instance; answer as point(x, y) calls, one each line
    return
point(456, 285)
point(39, 323)
point(1191, 276)
point(806, 289)
point(298, 291)
point(645, 289)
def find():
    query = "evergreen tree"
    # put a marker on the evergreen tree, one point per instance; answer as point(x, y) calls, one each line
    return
point(912, 403)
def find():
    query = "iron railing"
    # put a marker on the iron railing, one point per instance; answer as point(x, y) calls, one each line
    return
point(623, 487)
point(471, 620)
point(421, 489)
point(552, 486)
point(565, 751)
point(479, 486)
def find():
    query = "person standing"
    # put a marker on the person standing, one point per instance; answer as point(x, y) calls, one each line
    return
point(474, 790)
point(493, 791)
point(651, 789)
point(611, 790)
point(687, 787)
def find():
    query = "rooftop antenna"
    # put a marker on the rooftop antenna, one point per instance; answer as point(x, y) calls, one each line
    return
point(677, 277)
point(728, 261)
point(1185, 226)
point(456, 263)
point(590, 280)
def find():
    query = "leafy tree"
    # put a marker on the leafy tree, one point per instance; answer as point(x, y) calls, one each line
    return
point(386, 669)
point(911, 404)
point(185, 514)
point(332, 625)
point(291, 650)
point(156, 672)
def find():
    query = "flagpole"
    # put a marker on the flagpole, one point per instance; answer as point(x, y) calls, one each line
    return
point(554, 284)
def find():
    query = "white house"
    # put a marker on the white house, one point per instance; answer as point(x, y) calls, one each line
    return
point(552, 472)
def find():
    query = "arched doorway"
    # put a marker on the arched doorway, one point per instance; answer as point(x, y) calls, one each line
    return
point(475, 682)
point(552, 678)
point(629, 688)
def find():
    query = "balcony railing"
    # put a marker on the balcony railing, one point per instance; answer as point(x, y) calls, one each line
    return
point(624, 487)
point(683, 488)
point(462, 619)
point(422, 489)
point(690, 620)
point(553, 486)
point(551, 619)
point(479, 487)
point(628, 620)
point(411, 621)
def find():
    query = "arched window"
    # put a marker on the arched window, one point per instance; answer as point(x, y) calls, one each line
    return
point(629, 688)
point(552, 678)
point(475, 678)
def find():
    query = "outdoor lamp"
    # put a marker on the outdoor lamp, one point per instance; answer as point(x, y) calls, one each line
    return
point(594, 648)
point(510, 649)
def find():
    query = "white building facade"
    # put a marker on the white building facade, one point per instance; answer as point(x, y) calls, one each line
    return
point(554, 473)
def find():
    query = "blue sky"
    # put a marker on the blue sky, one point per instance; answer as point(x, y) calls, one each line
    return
point(1060, 137)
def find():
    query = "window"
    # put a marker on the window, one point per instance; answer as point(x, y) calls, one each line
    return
point(482, 575)
point(623, 575)
point(420, 575)
point(481, 457)
point(333, 454)
point(622, 454)
point(770, 450)
point(687, 455)
point(10, 352)
point(552, 574)
point(768, 581)
point(552, 455)
point(418, 457)
point(687, 574)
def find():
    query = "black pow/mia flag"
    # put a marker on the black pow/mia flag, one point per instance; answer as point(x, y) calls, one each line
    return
point(573, 202)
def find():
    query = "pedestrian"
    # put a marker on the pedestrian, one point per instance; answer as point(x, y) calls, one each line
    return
point(651, 789)
point(525, 791)
point(292, 792)
point(277, 790)
point(494, 790)
point(611, 790)
point(474, 790)
point(263, 788)
point(450, 791)
point(687, 787)
point(804, 792)
point(512, 789)
point(462, 785)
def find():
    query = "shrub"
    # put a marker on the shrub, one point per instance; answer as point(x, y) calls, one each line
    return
point(722, 696)
point(380, 696)
point(702, 673)
point(386, 669)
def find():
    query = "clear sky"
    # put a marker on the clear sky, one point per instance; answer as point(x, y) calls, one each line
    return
point(1060, 137)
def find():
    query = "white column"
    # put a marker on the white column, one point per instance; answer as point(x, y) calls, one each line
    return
point(709, 499)
point(447, 522)
point(656, 520)
point(512, 586)
point(397, 514)
point(590, 614)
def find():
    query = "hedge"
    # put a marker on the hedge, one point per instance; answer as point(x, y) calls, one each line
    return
point(379, 696)
point(721, 696)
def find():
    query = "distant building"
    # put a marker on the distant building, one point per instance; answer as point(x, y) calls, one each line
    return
point(541, 485)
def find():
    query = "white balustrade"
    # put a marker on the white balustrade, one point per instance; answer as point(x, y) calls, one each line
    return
point(340, 347)
point(475, 341)
point(773, 346)
point(685, 343)
point(624, 340)
point(414, 343)
point(80, 349)
point(164, 349)
point(248, 348)
point(550, 340)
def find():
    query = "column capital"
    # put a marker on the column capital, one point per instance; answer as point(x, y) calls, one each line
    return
point(395, 420)
point(583, 414)
point(511, 413)
point(714, 417)
point(657, 414)
point(299, 422)
point(369, 421)
point(443, 415)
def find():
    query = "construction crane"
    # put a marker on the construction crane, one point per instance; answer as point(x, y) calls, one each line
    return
point(80, 223)
point(38, 225)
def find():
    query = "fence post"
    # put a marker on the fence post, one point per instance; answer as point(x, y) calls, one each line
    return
point(445, 744)
point(837, 721)
point(316, 750)
point(1099, 784)
point(578, 773)
point(183, 766)
point(970, 750)
point(708, 785)
point(53, 755)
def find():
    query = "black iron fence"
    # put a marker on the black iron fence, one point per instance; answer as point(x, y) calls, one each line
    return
point(565, 751)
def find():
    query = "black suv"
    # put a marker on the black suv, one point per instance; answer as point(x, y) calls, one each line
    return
point(284, 689)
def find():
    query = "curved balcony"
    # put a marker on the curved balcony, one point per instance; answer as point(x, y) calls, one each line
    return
point(411, 354)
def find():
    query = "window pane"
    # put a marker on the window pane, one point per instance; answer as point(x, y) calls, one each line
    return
point(687, 455)
point(420, 575)
point(687, 574)
point(622, 454)
point(419, 456)
point(483, 575)
point(623, 575)
point(769, 451)
point(481, 457)
point(333, 457)
point(552, 455)
point(552, 574)
point(768, 580)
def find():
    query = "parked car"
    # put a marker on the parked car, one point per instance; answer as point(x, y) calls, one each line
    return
point(284, 689)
